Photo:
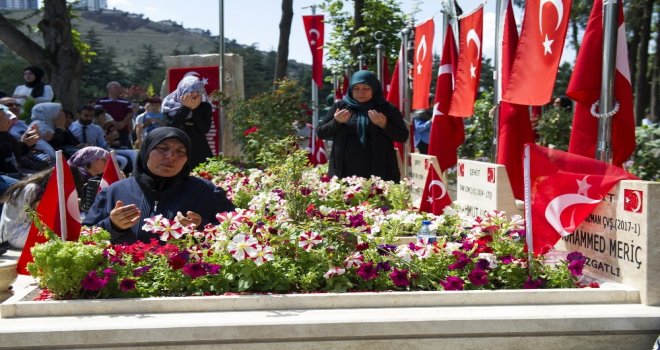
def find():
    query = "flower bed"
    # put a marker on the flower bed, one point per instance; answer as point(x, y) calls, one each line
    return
point(302, 232)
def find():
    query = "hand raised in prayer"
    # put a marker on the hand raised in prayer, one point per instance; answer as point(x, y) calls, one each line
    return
point(123, 216)
point(377, 118)
point(190, 218)
point(342, 116)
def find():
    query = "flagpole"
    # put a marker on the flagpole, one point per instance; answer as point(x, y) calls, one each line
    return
point(379, 56)
point(315, 99)
point(404, 93)
point(221, 78)
point(497, 88)
point(59, 174)
point(528, 208)
point(113, 159)
point(606, 103)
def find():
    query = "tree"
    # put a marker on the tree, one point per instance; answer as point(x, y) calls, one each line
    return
point(100, 70)
point(352, 33)
point(148, 69)
point(59, 57)
point(11, 67)
point(283, 44)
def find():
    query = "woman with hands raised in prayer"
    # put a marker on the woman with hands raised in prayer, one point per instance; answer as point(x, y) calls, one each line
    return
point(189, 109)
point(363, 127)
point(160, 184)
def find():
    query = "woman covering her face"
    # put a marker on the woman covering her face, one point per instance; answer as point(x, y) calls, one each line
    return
point(363, 127)
point(189, 110)
point(161, 184)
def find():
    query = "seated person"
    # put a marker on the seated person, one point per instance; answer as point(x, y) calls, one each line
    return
point(151, 119)
point(87, 166)
point(161, 184)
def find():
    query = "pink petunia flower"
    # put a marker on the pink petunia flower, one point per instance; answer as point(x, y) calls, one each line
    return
point(400, 277)
point(333, 272)
point(353, 260)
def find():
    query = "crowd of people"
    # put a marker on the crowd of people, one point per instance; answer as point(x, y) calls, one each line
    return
point(155, 151)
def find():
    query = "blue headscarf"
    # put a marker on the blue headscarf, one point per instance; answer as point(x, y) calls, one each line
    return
point(361, 109)
point(189, 83)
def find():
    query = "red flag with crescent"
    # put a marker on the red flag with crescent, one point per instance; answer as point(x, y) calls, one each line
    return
point(515, 127)
point(110, 173)
point(314, 31)
point(538, 53)
point(422, 62)
point(564, 189)
point(435, 196)
point(60, 199)
point(317, 154)
point(447, 132)
point(468, 70)
point(584, 88)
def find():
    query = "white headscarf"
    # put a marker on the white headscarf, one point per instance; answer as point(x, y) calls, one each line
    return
point(189, 83)
point(44, 114)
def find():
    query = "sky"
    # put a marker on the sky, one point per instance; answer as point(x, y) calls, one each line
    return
point(257, 21)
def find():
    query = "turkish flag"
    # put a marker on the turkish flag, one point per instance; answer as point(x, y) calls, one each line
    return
point(317, 154)
point(342, 88)
point(435, 196)
point(633, 200)
point(564, 189)
point(314, 31)
point(447, 132)
point(210, 76)
point(538, 53)
point(584, 88)
point(394, 96)
point(514, 125)
point(422, 64)
point(386, 77)
point(60, 200)
point(110, 173)
point(468, 69)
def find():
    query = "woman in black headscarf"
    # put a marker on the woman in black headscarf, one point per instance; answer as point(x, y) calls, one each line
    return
point(160, 184)
point(34, 87)
point(363, 127)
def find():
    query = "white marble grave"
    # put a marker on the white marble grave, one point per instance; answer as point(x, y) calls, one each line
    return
point(482, 187)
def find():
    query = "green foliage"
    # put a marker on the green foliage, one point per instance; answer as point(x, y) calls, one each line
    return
point(479, 130)
point(345, 40)
point(554, 128)
point(11, 66)
point(646, 159)
point(148, 68)
point(267, 117)
point(100, 69)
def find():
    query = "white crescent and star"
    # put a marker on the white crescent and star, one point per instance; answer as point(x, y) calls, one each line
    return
point(72, 205)
point(313, 35)
point(639, 202)
point(423, 49)
point(442, 187)
point(583, 186)
point(443, 69)
point(473, 36)
point(557, 206)
point(559, 6)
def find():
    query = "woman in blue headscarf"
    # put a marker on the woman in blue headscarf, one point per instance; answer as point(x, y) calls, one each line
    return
point(363, 127)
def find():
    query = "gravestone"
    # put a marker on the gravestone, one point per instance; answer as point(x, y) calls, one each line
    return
point(418, 173)
point(232, 87)
point(621, 238)
point(482, 187)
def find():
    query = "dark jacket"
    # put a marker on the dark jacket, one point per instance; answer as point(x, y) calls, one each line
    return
point(196, 126)
point(194, 194)
point(10, 148)
point(384, 163)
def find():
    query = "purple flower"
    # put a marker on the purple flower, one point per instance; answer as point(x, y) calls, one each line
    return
point(575, 256)
point(141, 270)
point(93, 283)
point(127, 284)
point(461, 260)
point(483, 264)
point(467, 245)
point(400, 277)
point(575, 267)
point(506, 260)
point(109, 272)
point(194, 270)
point(383, 266)
point(367, 271)
point(478, 277)
point(356, 220)
point(452, 283)
point(279, 193)
point(305, 191)
point(386, 249)
point(533, 283)
point(211, 269)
